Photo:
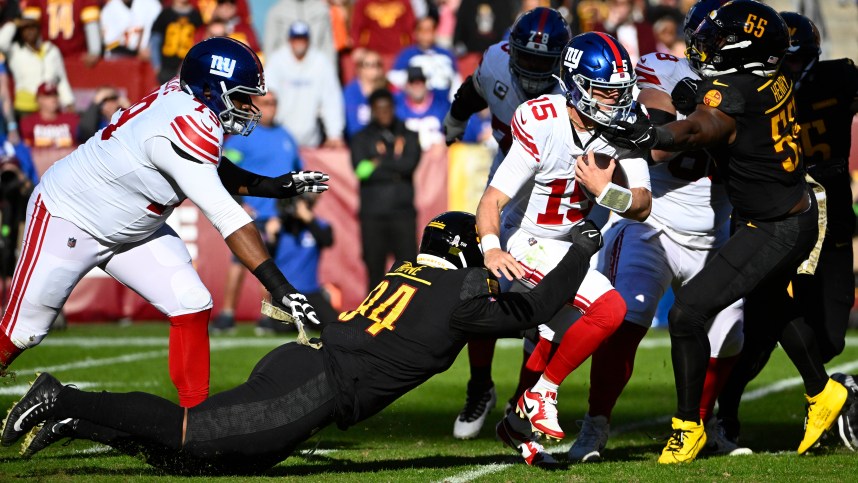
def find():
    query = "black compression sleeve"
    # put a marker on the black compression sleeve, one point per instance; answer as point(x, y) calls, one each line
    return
point(659, 117)
point(467, 101)
point(272, 278)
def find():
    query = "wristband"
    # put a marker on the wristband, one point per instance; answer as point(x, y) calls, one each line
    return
point(615, 198)
point(489, 242)
point(272, 278)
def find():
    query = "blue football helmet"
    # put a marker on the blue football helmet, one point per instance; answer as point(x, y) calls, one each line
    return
point(595, 60)
point(219, 69)
point(536, 41)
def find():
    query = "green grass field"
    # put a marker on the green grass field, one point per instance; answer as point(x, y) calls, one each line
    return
point(411, 440)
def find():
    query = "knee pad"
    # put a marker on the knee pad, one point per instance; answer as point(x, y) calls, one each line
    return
point(684, 320)
point(195, 299)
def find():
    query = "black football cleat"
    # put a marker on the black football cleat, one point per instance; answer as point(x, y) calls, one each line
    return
point(38, 405)
point(49, 433)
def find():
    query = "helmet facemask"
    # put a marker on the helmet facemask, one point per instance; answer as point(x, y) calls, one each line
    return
point(533, 68)
point(581, 97)
point(235, 120)
point(715, 52)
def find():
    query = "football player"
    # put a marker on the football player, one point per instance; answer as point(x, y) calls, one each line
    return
point(545, 186)
point(687, 224)
point(746, 111)
point(106, 205)
point(510, 73)
point(410, 327)
point(826, 100)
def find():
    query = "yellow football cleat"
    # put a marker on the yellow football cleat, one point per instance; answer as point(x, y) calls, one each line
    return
point(822, 412)
point(688, 438)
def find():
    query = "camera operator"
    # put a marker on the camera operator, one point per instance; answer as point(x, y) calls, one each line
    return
point(17, 178)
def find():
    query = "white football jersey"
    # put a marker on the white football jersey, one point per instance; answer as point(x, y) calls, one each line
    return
point(538, 173)
point(493, 80)
point(123, 183)
point(684, 197)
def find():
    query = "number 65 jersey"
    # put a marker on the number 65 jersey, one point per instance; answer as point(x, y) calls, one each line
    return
point(538, 173)
point(123, 183)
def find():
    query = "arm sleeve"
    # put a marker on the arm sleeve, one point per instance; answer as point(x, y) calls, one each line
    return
point(513, 311)
point(200, 183)
point(637, 171)
point(467, 100)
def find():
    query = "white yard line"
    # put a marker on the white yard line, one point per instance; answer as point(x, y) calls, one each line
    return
point(760, 393)
point(648, 343)
point(215, 342)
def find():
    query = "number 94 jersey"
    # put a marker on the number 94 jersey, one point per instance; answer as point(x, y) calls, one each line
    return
point(538, 173)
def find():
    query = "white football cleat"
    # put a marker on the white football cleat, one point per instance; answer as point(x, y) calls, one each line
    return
point(592, 439)
point(478, 405)
point(541, 409)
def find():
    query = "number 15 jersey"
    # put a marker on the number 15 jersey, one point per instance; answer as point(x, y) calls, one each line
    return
point(538, 173)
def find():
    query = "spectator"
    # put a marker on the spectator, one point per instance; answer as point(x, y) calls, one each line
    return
point(370, 76)
point(586, 14)
point(627, 24)
point(49, 127)
point(384, 26)
point(126, 26)
point(236, 27)
point(17, 178)
point(272, 151)
point(308, 89)
point(300, 238)
point(215, 28)
point(105, 103)
point(9, 11)
point(9, 125)
point(481, 23)
point(666, 29)
point(422, 110)
point(438, 63)
point(172, 36)
point(207, 8)
point(71, 26)
point(33, 61)
point(385, 155)
point(315, 13)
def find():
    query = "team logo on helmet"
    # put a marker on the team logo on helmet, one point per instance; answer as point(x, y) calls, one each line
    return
point(222, 66)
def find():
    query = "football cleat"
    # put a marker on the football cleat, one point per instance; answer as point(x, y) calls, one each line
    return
point(36, 406)
point(541, 409)
point(534, 454)
point(822, 412)
point(40, 437)
point(478, 405)
point(717, 442)
point(592, 439)
point(222, 324)
point(688, 438)
point(847, 421)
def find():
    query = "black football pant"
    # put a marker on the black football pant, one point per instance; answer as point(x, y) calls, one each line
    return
point(825, 299)
point(757, 263)
point(385, 235)
point(247, 429)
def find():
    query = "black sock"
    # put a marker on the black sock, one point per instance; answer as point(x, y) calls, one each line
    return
point(481, 377)
point(690, 354)
point(141, 415)
point(799, 342)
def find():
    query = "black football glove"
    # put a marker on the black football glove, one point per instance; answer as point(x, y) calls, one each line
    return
point(299, 182)
point(296, 304)
point(640, 135)
point(684, 96)
point(587, 236)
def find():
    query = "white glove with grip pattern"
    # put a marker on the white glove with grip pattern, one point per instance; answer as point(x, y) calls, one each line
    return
point(297, 305)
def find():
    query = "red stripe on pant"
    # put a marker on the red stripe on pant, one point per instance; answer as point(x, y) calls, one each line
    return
point(189, 356)
point(23, 272)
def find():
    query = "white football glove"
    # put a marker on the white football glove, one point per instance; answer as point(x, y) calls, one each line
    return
point(454, 129)
point(297, 305)
point(299, 182)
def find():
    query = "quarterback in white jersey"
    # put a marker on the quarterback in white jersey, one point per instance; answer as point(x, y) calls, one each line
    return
point(540, 192)
point(106, 204)
point(688, 223)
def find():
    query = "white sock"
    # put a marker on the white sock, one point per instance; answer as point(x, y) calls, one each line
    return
point(544, 385)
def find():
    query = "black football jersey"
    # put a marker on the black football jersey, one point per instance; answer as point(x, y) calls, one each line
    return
point(824, 101)
point(762, 168)
point(415, 322)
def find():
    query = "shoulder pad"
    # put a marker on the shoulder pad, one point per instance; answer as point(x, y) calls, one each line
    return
point(494, 69)
point(199, 133)
point(478, 282)
point(722, 95)
point(531, 123)
point(662, 71)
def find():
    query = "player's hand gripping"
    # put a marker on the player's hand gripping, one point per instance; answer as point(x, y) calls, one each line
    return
point(640, 135)
point(500, 263)
point(296, 304)
point(300, 182)
point(454, 129)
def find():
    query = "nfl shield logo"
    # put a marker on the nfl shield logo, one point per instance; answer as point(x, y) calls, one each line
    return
point(72, 242)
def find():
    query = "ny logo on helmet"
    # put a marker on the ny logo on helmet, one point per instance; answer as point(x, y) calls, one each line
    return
point(222, 66)
point(572, 58)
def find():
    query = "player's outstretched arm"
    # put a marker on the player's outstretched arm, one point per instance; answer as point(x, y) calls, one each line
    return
point(498, 261)
point(511, 312)
point(239, 181)
point(706, 127)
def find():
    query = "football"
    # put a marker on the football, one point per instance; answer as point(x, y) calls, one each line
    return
point(603, 161)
